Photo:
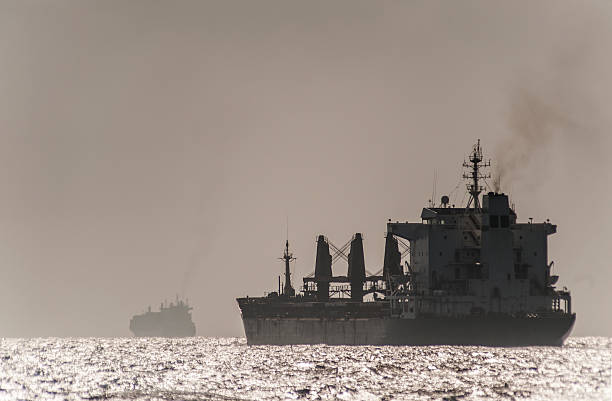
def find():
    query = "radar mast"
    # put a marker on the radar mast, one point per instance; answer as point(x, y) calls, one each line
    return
point(475, 165)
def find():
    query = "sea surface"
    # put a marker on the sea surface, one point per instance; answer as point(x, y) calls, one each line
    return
point(227, 369)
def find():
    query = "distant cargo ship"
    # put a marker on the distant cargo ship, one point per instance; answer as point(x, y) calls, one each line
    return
point(474, 275)
point(172, 320)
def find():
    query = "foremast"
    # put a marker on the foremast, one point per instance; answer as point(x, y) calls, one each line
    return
point(288, 258)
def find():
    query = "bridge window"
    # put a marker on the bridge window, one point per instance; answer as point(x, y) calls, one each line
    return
point(505, 221)
point(494, 221)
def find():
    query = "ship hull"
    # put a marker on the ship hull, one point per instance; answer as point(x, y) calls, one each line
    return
point(174, 321)
point(490, 331)
point(164, 332)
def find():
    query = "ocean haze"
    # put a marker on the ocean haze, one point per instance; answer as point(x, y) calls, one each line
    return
point(149, 149)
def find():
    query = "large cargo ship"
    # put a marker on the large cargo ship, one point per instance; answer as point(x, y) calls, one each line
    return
point(470, 275)
point(173, 320)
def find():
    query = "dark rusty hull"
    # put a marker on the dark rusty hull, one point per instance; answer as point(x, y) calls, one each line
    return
point(366, 329)
point(423, 331)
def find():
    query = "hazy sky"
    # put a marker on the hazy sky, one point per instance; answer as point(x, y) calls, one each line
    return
point(155, 148)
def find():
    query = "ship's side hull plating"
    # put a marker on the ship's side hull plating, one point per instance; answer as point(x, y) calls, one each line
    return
point(494, 331)
point(188, 331)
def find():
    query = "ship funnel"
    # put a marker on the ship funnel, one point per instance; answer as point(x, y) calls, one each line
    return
point(392, 263)
point(323, 270)
point(356, 268)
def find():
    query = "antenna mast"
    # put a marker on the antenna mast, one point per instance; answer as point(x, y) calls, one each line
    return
point(288, 258)
point(475, 165)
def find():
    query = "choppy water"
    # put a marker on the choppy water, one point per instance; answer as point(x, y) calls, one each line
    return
point(227, 369)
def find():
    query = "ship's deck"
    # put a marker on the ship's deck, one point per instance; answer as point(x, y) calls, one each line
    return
point(306, 308)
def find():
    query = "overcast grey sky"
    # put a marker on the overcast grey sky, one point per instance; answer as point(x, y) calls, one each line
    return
point(149, 148)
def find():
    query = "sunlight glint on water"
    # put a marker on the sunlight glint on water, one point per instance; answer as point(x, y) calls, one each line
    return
point(227, 369)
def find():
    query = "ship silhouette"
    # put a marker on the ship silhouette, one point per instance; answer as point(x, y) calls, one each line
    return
point(469, 275)
point(173, 320)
